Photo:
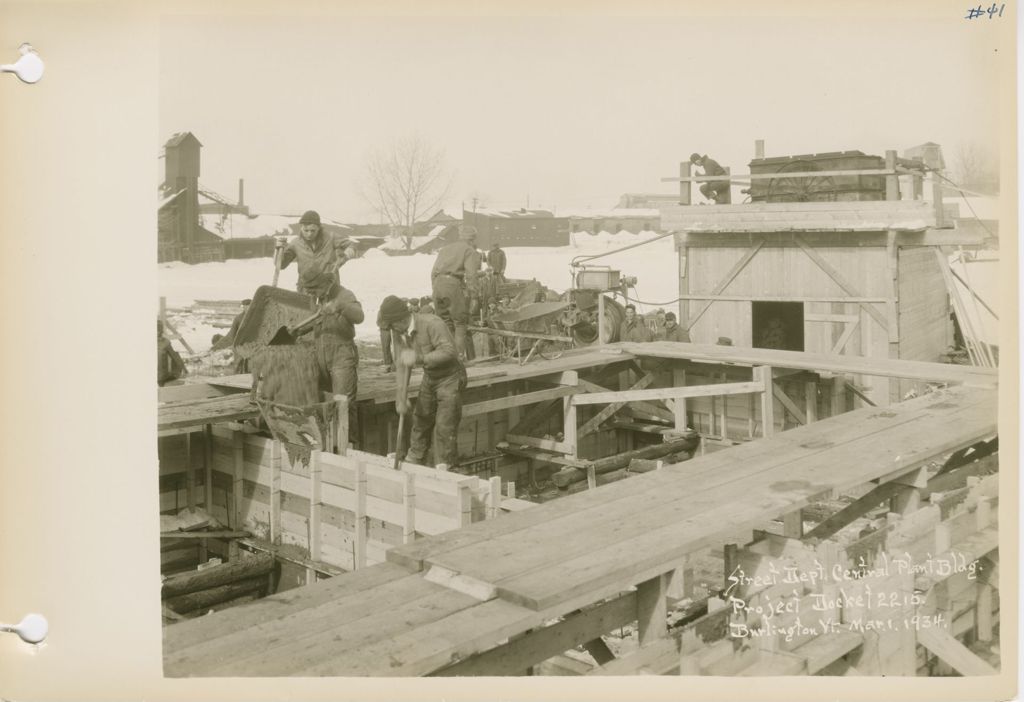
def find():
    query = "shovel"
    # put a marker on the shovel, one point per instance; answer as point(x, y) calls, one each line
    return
point(401, 398)
point(287, 336)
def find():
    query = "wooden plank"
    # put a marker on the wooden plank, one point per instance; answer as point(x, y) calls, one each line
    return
point(951, 651)
point(543, 643)
point(594, 422)
point(770, 176)
point(724, 282)
point(788, 403)
point(570, 423)
point(845, 337)
point(715, 389)
point(547, 444)
point(783, 298)
point(763, 377)
point(503, 403)
point(884, 367)
point(652, 609)
point(826, 649)
point(360, 512)
point(409, 504)
point(839, 280)
point(315, 505)
point(238, 468)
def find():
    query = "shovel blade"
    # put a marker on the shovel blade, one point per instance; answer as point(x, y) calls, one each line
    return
point(283, 337)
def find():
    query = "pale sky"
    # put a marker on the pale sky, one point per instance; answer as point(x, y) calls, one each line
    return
point(568, 111)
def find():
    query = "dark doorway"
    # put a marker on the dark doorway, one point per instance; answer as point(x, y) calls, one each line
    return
point(778, 325)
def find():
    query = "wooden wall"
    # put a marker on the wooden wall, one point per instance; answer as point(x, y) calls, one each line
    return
point(925, 327)
point(356, 501)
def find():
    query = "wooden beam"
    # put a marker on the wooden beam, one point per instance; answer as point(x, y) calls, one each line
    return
point(570, 423)
point(763, 376)
point(547, 444)
point(543, 643)
point(845, 337)
point(534, 417)
point(409, 507)
point(715, 389)
point(948, 649)
point(789, 404)
point(783, 298)
point(652, 609)
point(503, 403)
point(316, 499)
point(275, 491)
point(892, 180)
point(839, 279)
point(594, 422)
point(770, 176)
point(359, 553)
point(679, 408)
point(729, 277)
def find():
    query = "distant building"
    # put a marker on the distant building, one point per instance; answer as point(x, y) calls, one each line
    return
point(426, 226)
point(180, 235)
point(615, 220)
point(518, 227)
point(646, 200)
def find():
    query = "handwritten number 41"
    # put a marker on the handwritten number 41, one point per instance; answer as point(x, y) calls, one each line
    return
point(979, 11)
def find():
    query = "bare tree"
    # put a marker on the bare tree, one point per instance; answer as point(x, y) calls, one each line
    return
point(976, 167)
point(405, 181)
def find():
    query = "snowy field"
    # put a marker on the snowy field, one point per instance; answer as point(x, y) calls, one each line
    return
point(377, 275)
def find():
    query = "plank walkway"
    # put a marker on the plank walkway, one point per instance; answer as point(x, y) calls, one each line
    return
point(552, 559)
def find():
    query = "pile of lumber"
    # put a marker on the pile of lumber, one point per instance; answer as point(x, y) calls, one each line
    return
point(196, 591)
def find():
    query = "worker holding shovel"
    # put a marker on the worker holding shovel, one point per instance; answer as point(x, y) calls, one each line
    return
point(425, 341)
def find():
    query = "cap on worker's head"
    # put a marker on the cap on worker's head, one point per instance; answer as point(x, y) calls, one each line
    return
point(670, 315)
point(310, 217)
point(694, 157)
point(393, 309)
point(494, 244)
point(467, 232)
point(631, 307)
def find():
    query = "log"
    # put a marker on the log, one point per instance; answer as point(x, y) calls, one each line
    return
point(686, 445)
point(193, 581)
point(206, 598)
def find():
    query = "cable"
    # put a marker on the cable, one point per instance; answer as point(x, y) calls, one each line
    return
point(966, 201)
point(615, 251)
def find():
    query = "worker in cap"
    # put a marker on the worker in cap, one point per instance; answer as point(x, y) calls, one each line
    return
point(674, 332)
point(319, 255)
point(426, 341)
point(497, 261)
point(714, 190)
point(634, 328)
point(454, 276)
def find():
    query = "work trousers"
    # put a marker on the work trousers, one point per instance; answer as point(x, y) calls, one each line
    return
point(457, 317)
point(435, 421)
point(338, 361)
point(385, 347)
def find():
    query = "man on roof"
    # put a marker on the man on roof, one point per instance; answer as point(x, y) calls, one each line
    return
point(715, 190)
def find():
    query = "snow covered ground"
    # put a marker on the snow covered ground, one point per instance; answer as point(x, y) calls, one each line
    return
point(377, 275)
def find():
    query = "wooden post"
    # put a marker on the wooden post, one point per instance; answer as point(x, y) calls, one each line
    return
point(908, 499)
point(759, 148)
point(465, 506)
point(723, 417)
point(684, 283)
point(811, 400)
point(892, 182)
point(680, 585)
point(679, 404)
point(409, 505)
point(315, 512)
point(275, 491)
point(569, 412)
point(510, 489)
point(918, 182)
point(793, 524)
point(591, 476)
point(190, 474)
point(600, 319)
point(495, 497)
point(983, 613)
point(208, 468)
point(763, 374)
point(341, 426)
point(838, 396)
point(235, 508)
point(684, 185)
point(751, 409)
point(652, 609)
point(940, 214)
point(360, 523)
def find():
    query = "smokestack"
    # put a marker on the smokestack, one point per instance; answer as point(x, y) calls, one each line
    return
point(241, 192)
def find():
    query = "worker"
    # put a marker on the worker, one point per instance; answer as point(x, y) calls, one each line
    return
point(497, 261)
point(454, 276)
point(387, 359)
point(633, 328)
point(715, 190)
point(414, 304)
point(241, 364)
point(169, 366)
point(773, 336)
point(335, 349)
point(674, 332)
point(426, 305)
point(427, 342)
point(319, 255)
point(487, 286)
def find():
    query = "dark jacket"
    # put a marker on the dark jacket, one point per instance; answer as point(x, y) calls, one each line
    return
point(169, 365)
point(434, 346)
point(496, 260)
point(637, 331)
point(344, 312)
point(319, 263)
point(676, 333)
point(458, 259)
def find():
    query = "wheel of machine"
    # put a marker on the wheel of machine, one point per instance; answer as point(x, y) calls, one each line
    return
point(804, 189)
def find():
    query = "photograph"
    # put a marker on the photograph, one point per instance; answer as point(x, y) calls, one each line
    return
point(584, 346)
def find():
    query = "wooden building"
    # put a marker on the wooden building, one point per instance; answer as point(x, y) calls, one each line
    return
point(518, 228)
point(180, 235)
point(852, 277)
